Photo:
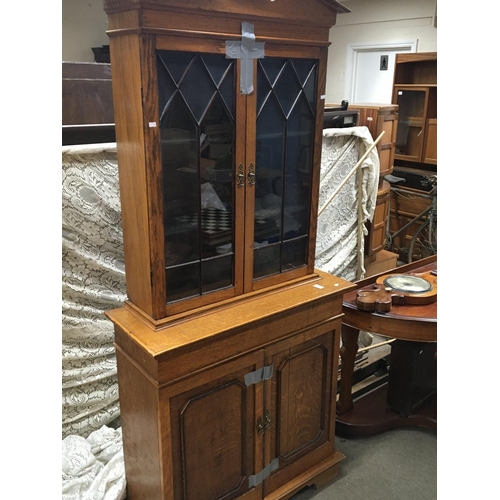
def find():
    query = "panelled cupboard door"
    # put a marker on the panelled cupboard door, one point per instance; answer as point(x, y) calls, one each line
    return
point(238, 171)
point(215, 446)
point(299, 407)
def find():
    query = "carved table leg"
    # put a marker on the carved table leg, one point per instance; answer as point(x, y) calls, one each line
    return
point(348, 355)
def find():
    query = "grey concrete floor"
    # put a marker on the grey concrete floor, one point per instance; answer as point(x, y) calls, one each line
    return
point(399, 464)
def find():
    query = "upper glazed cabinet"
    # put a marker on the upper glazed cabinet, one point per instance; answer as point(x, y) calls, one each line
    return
point(415, 93)
point(218, 112)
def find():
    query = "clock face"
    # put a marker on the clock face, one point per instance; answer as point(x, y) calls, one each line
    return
point(407, 284)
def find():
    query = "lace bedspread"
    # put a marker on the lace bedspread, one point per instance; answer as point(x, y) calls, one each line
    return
point(339, 250)
point(93, 468)
point(93, 281)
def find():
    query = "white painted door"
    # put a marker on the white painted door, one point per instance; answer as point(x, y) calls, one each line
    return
point(373, 84)
point(366, 82)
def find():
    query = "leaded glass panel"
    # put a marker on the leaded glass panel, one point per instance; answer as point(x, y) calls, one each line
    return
point(286, 93)
point(197, 128)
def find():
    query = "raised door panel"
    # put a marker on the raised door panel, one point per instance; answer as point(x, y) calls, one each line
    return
point(214, 445)
point(300, 408)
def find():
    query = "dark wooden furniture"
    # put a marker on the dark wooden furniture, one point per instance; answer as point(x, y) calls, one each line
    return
point(227, 347)
point(380, 118)
point(412, 376)
point(406, 203)
point(377, 227)
point(87, 103)
point(415, 93)
point(415, 323)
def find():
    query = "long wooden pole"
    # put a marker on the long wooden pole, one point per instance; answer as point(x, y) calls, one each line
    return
point(360, 225)
point(360, 162)
point(347, 147)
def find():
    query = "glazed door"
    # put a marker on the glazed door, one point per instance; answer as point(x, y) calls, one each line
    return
point(215, 445)
point(238, 171)
point(413, 103)
point(199, 127)
point(281, 133)
point(299, 406)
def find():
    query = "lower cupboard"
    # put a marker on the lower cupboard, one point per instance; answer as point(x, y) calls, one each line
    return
point(247, 411)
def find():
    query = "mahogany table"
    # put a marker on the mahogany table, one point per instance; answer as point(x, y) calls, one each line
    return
point(370, 414)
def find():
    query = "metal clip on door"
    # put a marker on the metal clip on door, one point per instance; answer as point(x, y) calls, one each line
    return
point(260, 427)
point(240, 175)
point(251, 174)
point(267, 420)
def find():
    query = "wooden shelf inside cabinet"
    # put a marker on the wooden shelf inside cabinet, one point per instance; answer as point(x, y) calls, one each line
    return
point(415, 85)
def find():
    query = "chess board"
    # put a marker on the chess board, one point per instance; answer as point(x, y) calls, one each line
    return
point(217, 226)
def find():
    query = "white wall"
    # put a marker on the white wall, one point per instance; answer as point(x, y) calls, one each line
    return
point(84, 25)
point(377, 21)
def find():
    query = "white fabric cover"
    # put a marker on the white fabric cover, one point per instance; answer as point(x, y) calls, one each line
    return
point(93, 280)
point(93, 468)
point(337, 250)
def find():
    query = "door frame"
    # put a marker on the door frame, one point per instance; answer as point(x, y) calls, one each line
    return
point(353, 50)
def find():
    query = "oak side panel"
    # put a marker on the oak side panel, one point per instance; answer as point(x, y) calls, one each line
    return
point(320, 109)
point(151, 126)
point(140, 430)
point(127, 99)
